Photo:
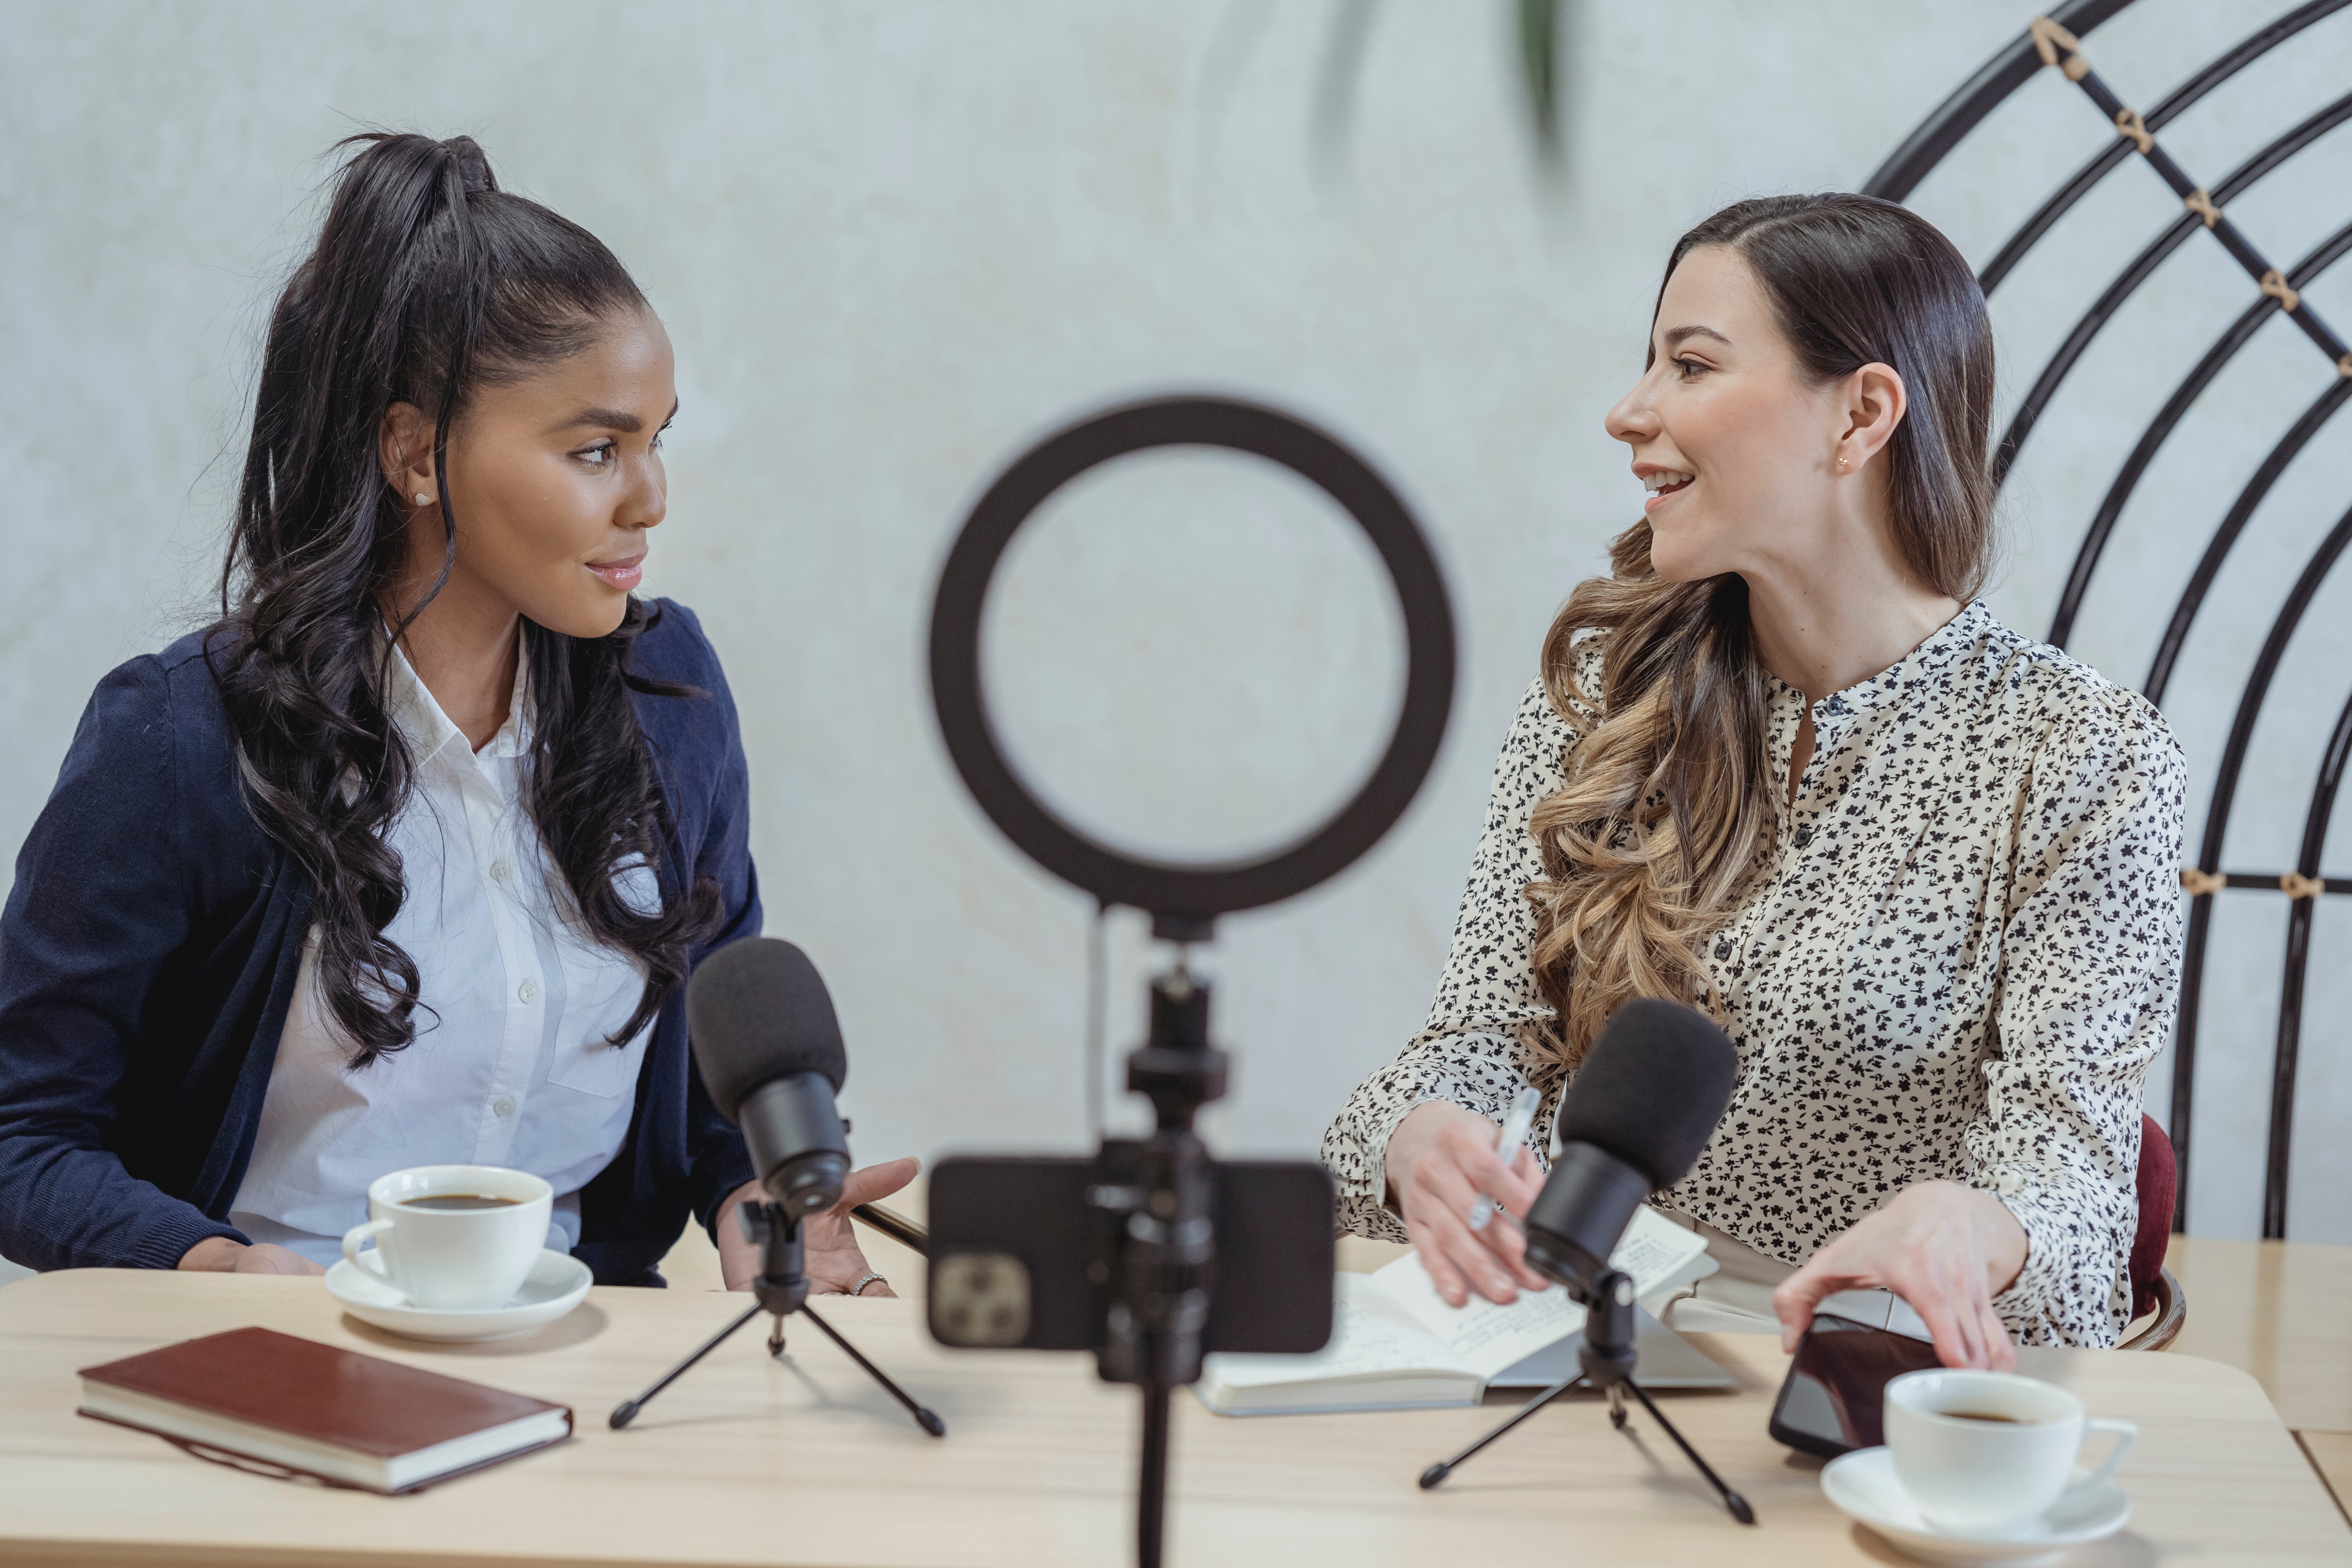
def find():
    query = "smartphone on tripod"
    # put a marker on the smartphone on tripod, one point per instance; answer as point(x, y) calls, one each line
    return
point(1021, 1253)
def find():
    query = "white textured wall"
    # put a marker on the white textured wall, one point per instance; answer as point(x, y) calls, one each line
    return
point(895, 241)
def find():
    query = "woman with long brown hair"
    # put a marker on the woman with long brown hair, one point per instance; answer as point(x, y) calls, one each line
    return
point(1782, 765)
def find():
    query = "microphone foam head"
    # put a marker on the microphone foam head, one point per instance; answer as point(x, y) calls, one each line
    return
point(756, 1011)
point(1651, 1089)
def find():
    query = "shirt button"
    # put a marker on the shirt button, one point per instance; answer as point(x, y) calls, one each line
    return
point(499, 871)
point(503, 1106)
point(1804, 836)
point(1723, 947)
point(527, 990)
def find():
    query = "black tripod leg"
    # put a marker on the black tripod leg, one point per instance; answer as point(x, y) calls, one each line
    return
point(1436, 1473)
point(923, 1418)
point(1731, 1499)
point(626, 1411)
point(1151, 1497)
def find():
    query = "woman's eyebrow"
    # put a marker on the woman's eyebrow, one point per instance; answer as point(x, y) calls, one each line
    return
point(607, 419)
point(1677, 336)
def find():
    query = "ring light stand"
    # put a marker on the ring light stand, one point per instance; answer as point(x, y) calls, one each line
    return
point(1164, 1280)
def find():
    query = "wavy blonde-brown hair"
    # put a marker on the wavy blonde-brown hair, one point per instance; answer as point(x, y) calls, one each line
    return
point(1666, 805)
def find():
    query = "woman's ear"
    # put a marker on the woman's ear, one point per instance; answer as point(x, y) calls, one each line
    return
point(1869, 406)
point(404, 447)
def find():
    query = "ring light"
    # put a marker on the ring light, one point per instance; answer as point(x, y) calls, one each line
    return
point(1185, 899)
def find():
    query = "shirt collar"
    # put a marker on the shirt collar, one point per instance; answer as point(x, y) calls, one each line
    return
point(1915, 671)
point(429, 732)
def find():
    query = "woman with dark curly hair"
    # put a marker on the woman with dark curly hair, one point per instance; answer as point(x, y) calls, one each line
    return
point(406, 860)
point(1783, 764)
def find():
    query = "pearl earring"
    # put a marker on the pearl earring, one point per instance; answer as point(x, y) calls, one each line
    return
point(425, 498)
point(1840, 464)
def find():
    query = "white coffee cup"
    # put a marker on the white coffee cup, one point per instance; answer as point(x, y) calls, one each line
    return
point(1986, 1453)
point(441, 1250)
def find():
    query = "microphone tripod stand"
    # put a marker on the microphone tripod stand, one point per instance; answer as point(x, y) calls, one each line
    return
point(1606, 1360)
point(782, 1288)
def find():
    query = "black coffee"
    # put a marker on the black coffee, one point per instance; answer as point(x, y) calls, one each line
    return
point(1984, 1416)
point(448, 1201)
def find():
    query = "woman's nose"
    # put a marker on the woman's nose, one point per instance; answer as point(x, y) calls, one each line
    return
point(1633, 420)
point(648, 501)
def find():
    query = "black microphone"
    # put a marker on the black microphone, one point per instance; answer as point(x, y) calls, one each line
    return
point(1641, 1107)
point(769, 1046)
point(1643, 1104)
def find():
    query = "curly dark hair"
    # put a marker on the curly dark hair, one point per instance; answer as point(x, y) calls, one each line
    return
point(428, 281)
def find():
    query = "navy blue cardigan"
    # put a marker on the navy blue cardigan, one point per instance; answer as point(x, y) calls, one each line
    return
point(148, 952)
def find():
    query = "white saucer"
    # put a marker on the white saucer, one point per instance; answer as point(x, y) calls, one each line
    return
point(1863, 1485)
point(556, 1284)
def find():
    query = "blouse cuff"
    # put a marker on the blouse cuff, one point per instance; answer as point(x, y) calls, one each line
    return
point(1363, 1186)
point(1363, 1181)
point(2031, 1304)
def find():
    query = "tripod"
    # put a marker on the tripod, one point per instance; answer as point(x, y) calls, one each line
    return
point(782, 1288)
point(1606, 1361)
point(1164, 1262)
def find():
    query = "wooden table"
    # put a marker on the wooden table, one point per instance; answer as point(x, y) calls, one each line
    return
point(2282, 1311)
point(806, 1462)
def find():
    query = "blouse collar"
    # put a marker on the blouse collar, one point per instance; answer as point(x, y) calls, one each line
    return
point(429, 732)
point(1913, 672)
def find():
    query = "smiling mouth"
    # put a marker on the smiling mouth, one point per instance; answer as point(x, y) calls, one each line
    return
point(1663, 484)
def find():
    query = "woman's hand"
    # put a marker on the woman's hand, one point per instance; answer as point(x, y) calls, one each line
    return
point(1947, 1249)
point(221, 1255)
point(1440, 1159)
point(834, 1261)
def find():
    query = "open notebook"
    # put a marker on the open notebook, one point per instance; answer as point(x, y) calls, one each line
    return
point(1396, 1345)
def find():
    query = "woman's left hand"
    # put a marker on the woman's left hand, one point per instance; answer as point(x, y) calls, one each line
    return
point(1947, 1249)
point(834, 1263)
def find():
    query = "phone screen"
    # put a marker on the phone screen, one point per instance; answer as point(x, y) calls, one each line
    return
point(1832, 1401)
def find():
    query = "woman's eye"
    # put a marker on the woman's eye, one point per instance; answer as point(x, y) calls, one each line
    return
point(598, 456)
point(1689, 367)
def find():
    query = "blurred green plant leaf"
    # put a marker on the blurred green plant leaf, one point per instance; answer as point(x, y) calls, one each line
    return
point(1336, 84)
point(1540, 39)
point(1543, 24)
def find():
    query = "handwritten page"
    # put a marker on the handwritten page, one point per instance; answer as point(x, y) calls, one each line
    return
point(1395, 1344)
point(1486, 1337)
point(1483, 1336)
point(1655, 1251)
point(1370, 1332)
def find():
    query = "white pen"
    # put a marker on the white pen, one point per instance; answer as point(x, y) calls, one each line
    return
point(1514, 1134)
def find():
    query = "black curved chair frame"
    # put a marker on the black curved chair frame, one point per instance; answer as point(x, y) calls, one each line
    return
point(2055, 42)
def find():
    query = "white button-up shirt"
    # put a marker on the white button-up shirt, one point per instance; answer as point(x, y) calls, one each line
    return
point(510, 1065)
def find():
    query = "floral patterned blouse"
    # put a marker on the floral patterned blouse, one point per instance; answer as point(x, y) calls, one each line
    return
point(1956, 961)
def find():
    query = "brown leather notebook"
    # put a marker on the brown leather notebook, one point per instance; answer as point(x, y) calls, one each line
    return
point(294, 1404)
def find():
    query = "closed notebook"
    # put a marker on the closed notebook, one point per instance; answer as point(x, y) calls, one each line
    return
point(353, 1419)
point(1397, 1345)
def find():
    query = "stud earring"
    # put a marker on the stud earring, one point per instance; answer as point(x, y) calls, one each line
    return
point(420, 500)
point(425, 498)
